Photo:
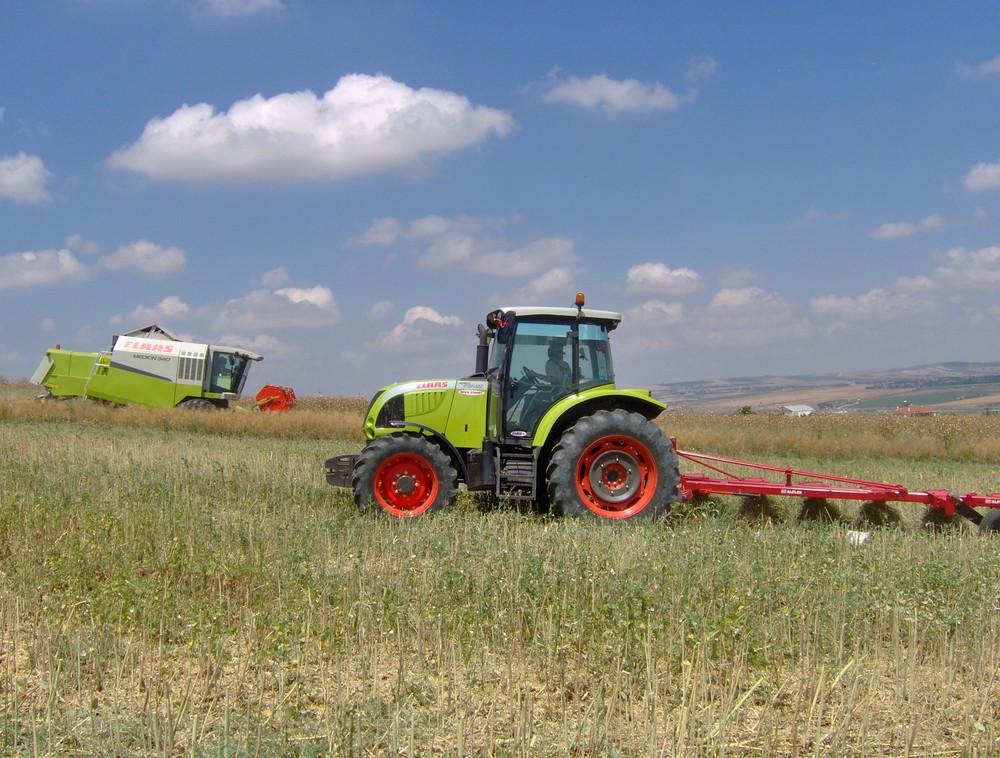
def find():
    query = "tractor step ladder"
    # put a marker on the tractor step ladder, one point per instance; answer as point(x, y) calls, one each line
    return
point(102, 361)
point(516, 476)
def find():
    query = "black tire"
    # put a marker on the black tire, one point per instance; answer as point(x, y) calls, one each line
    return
point(197, 404)
point(991, 522)
point(404, 476)
point(613, 465)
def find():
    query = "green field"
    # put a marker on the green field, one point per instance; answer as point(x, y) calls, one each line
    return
point(179, 584)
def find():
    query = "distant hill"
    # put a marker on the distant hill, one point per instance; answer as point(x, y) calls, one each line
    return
point(955, 387)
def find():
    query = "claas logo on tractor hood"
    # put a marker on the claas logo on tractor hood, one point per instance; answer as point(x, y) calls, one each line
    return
point(433, 385)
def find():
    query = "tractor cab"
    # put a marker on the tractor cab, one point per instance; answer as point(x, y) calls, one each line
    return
point(538, 357)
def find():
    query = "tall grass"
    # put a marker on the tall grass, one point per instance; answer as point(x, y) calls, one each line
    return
point(192, 587)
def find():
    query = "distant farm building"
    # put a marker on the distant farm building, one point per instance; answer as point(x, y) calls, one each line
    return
point(798, 410)
point(908, 409)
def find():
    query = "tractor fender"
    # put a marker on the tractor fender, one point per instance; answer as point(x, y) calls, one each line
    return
point(569, 409)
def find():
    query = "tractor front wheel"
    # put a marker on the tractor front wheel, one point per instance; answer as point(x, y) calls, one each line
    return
point(614, 465)
point(405, 476)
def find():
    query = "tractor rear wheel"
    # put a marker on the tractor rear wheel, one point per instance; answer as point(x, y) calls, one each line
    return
point(613, 465)
point(405, 476)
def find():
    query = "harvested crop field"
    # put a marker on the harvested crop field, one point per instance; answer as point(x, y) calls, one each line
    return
point(187, 584)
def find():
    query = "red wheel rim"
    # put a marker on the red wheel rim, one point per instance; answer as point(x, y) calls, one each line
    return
point(616, 476)
point(406, 485)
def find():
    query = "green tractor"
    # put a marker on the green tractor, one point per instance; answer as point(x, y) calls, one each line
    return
point(539, 421)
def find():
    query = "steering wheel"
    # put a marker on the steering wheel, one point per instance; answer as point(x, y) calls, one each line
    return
point(528, 377)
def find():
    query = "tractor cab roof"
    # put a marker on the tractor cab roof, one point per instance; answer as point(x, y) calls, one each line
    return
point(589, 314)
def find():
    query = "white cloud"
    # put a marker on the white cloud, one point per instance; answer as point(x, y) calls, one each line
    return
point(657, 313)
point(22, 179)
point(745, 317)
point(971, 270)
point(382, 232)
point(147, 257)
point(554, 286)
point(903, 229)
point(289, 308)
point(421, 328)
point(42, 268)
point(878, 303)
point(381, 309)
point(364, 125)
point(614, 97)
point(321, 297)
point(234, 8)
point(658, 279)
point(982, 177)
point(165, 312)
point(601, 93)
point(474, 245)
point(986, 68)
point(275, 277)
point(529, 260)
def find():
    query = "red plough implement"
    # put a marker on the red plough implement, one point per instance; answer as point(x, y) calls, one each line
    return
point(789, 482)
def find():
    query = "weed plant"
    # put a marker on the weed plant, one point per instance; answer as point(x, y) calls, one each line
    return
point(187, 584)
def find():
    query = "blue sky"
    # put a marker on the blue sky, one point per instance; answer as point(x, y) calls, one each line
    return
point(348, 187)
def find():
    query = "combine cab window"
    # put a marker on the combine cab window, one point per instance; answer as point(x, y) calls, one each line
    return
point(228, 373)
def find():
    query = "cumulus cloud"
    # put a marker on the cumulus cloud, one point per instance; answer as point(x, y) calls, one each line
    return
point(878, 303)
point(169, 309)
point(23, 178)
point(147, 257)
point(903, 229)
point(552, 286)
point(382, 232)
point(656, 312)
point(275, 277)
point(982, 177)
point(41, 268)
point(364, 125)
point(658, 279)
point(47, 267)
point(420, 328)
point(742, 317)
point(287, 308)
point(474, 245)
point(614, 97)
point(970, 269)
point(986, 68)
point(381, 309)
point(236, 8)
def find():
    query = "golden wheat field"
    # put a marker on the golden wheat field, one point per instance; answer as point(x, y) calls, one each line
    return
point(186, 584)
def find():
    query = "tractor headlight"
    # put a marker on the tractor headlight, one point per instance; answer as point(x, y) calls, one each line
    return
point(391, 412)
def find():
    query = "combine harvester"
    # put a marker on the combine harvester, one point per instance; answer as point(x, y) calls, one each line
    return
point(541, 421)
point(151, 367)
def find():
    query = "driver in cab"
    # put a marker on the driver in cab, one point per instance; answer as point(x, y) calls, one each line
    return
point(557, 370)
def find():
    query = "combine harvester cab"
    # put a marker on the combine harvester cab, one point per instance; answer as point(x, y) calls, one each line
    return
point(149, 367)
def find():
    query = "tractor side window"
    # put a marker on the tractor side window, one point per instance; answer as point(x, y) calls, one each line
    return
point(595, 356)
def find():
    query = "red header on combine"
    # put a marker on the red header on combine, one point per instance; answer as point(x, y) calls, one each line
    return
point(274, 399)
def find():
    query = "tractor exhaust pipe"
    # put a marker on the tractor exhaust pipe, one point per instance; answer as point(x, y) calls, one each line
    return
point(482, 350)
